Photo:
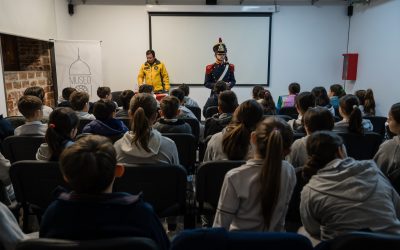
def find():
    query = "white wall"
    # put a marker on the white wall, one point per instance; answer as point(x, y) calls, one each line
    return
point(375, 35)
point(35, 19)
point(307, 43)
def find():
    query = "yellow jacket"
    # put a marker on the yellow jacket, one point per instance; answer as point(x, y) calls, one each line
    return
point(155, 74)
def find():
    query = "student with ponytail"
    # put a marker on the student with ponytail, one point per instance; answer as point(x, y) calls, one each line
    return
point(143, 144)
point(255, 196)
point(352, 117)
point(61, 131)
point(345, 195)
point(233, 143)
point(367, 101)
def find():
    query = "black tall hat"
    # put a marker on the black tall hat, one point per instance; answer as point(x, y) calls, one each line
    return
point(220, 47)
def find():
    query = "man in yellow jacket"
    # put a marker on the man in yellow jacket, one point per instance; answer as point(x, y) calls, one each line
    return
point(153, 72)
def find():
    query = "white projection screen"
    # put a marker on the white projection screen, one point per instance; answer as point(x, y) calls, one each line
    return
point(184, 41)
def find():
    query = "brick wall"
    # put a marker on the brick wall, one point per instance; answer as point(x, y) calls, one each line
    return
point(34, 59)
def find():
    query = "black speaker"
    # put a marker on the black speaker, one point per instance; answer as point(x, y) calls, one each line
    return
point(211, 2)
point(350, 10)
point(70, 9)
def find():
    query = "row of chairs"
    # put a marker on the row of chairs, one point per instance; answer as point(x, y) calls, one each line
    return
point(213, 239)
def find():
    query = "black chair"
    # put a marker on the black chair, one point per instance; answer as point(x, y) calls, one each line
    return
point(115, 96)
point(125, 243)
point(361, 241)
point(163, 186)
point(194, 124)
point(126, 121)
point(17, 148)
point(186, 145)
point(379, 124)
point(196, 111)
point(210, 111)
point(209, 179)
point(16, 121)
point(361, 147)
point(290, 111)
point(34, 183)
point(297, 136)
point(82, 124)
point(220, 239)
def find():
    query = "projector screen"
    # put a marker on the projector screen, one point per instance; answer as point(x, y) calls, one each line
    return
point(184, 41)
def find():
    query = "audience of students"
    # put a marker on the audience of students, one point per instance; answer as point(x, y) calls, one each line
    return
point(233, 143)
point(125, 98)
point(304, 101)
point(289, 100)
point(322, 99)
point(31, 108)
point(60, 134)
point(336, 91)
point(39, 93)
point(255, 196)
point(80, 103)
point(92, 210)
point(66, 94)
point(388, 155)
point(169, 123)
point(367, 101)
point(143, 144)
point(352, 117)
point(212, 101)
point(345, 195)
point(189, 102)
point(105, 123)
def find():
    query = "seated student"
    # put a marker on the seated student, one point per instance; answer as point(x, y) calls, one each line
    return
point(143, 144)
point(146, 88)
point(315, 119)
point(184, 111)
point(66, 93)
point(304, 101)
point(212, 101)
point(227, 103)
point(255, 196)
point(92, 210)
point(289, 100)
point(11, 234)
point(233, 143)
point(80, 103)
point(336, 91)
point(63, 126)
point(6, 128)
point(322, 99)
point(105, 123)
point(343, 194)
point(169, 123)
point(188, 101)
point(39, 93)
point(388, 156)
point(104, 93)
point(31, 108)
point(125, 98)
point(267, 102)
point(352, 117)
point(367, 101)
point(258, 92)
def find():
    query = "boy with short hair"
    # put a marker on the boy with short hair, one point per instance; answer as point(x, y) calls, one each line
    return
point(104, 93)
point(80, 103)
point(92, 210)
point(169, 123)
point(188, 102)
point(184, 111)
point(31, 108)
point(39, 93)
point(66, 93)
point(125, 98)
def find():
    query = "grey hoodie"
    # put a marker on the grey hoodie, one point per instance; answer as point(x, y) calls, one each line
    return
point(388, 156)
point(348, 195)
point(162, 150)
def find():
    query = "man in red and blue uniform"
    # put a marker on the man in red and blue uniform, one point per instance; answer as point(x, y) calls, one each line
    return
point(221, 70)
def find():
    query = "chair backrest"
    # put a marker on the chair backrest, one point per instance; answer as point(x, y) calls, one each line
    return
point(220, 239)
point(379, 124)
point(194, 124)
point(210, 111)
point(82, 124)
point(209, 179)
point(35, 181)
point(361, 147)
point(125, 243)
point(297, 135)
point(116, 97)
point(362, 241)
point(16, 121)
point(163, 186)
point(186, 145)
point(126, 121)
point(196, 111)
point(290, 111)
point(17, 148)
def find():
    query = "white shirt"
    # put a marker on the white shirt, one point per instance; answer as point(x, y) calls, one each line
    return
point(31, 128)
